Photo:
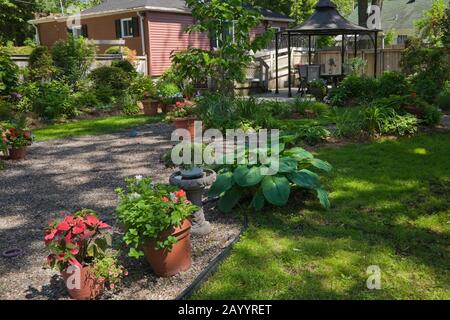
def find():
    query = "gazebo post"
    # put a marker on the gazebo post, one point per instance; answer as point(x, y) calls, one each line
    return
point(309, 50)
point(356, 47)
point(376, 55)
point(289, 65)
point(342, 54)
point(277, 91)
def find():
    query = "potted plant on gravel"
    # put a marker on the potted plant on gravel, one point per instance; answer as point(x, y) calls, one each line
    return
point(183, 116)
point(16, 141)
point(157, 226)
point(79, 249)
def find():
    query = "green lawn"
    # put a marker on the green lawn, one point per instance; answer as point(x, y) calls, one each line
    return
point(391, 205)
point(93, 126)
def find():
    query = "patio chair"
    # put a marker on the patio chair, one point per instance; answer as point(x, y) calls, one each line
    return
point(303, 75)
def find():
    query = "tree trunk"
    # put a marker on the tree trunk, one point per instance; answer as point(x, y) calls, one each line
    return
point(362, 12)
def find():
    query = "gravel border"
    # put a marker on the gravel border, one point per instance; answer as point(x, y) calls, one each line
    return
point(65, 175)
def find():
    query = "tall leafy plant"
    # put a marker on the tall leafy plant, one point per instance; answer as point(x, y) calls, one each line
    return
point(230, 23)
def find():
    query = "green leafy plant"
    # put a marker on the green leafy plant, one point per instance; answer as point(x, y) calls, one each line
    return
point(169, 93)
point(353, 91)
point(9, 72)
point(237, 183)
point(126, 66)
point(54, 100)
point(107, 269)
point(146, 210)
point(41, 64)
point(73, 57)
point(392, 83)
point(357, 66)
point(109, 83)
point(143, 87)
point(443, 100)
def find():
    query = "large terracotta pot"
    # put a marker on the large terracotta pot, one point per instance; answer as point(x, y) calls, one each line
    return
point(150, 107)
point(18, 153)
point(167, 263)
point(90, 286)
point(187, 123)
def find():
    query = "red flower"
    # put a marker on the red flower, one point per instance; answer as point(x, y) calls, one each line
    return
point(50, 235)
point(60, 257)
point(103, 225)
point(75, 251)
point(50, 258)
point(70, 220)
point(180, 194)
point(26, 135)
point(92, 221)
point(165, 199)
point(63, 226)
point(79, 228)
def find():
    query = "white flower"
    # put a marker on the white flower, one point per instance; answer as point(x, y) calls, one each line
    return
point(139, 178)
point(173, 197)
point(134, 196)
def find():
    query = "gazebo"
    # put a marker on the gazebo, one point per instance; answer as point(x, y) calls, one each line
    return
point(326, 21)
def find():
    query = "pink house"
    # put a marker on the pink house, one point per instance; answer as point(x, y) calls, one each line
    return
point(154, 28)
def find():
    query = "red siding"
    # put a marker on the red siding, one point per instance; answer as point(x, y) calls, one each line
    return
point(167, 35)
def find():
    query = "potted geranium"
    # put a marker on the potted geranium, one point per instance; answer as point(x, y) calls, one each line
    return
point(183, 116)
point(157, 226)
point(79, 249)
point(16, 140)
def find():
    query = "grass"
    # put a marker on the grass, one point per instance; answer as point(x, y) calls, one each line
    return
point(92, 126)
point(390, 208)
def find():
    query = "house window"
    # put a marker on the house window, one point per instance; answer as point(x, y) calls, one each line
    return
point(401, 39)
point(229, 30)
point(127, 27)
point(79, 31)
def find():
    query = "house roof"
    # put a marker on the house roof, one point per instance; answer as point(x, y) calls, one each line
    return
point(108, 7)
point(399, 14)
point(326, 19)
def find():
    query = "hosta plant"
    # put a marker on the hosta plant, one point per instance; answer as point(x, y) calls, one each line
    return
point(237, 183)
point(83, 240)
point(146, 210)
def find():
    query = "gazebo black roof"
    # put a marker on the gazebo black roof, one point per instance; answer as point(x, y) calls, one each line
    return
point(326, 20)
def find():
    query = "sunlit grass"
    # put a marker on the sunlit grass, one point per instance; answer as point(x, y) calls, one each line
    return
point(390, 208)
point(93, 126)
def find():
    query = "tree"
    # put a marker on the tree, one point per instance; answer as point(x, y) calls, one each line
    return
point(430, 27)
point(230, 22)
point(13, 20)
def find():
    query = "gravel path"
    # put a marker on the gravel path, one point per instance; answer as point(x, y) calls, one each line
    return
point(65, 175)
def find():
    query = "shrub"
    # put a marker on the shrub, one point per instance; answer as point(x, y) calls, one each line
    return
point(54, 100)
point(169, 93)
point(85, 99)
point(9, 72)
point(443, 100)
point(110, 83)
point(143, 87)
point(392, 83)
point(311, 108)
point(117, 50)
point(129, 105)
point(41, 64)
point(73, 57)
point(249, 183)
point(353, 91)
point(432, 115)
point(125, 65)
point(146, 210)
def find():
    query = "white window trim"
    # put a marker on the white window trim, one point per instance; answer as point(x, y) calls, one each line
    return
point(122, 29)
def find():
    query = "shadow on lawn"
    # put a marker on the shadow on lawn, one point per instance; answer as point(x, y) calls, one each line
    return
point(383, 194)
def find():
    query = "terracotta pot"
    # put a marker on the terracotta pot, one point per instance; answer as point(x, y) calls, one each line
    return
point(18, 153)
point(150, 107)
point(90, 287)
point(167, 263)
point(187, 123)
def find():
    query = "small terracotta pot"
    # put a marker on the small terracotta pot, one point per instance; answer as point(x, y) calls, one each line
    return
point(187, 123)
point(167, 263)
point(18, 153)
point(90, 287)
point(150, 107)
